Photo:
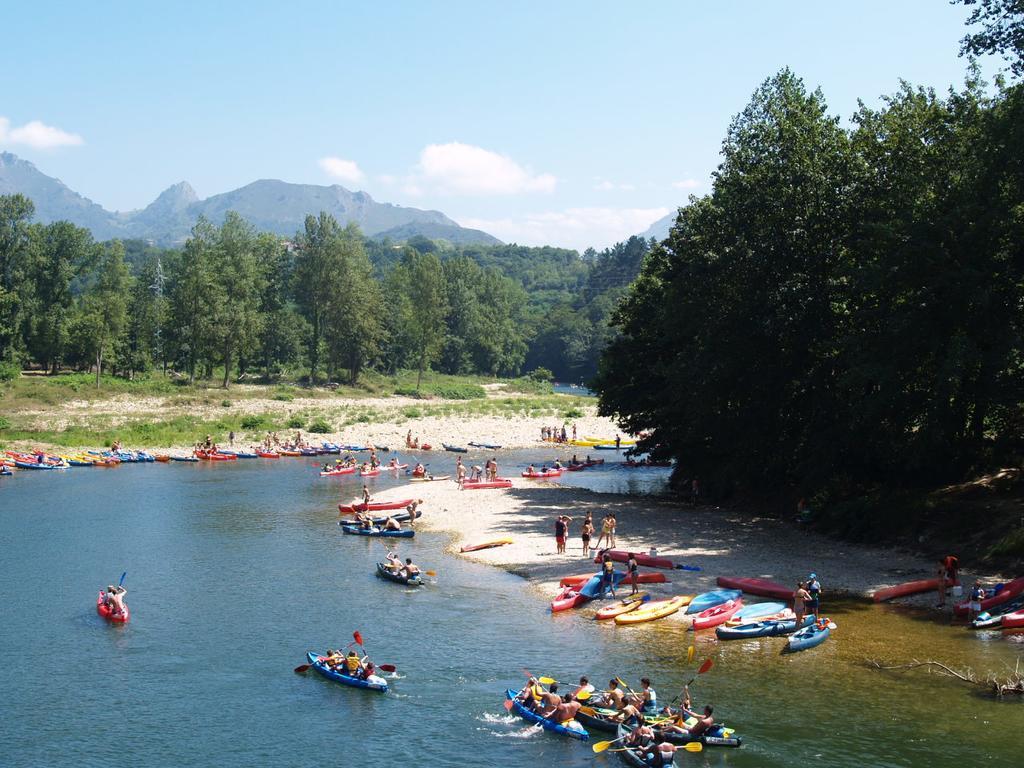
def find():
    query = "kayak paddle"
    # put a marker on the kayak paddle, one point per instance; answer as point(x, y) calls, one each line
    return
point(693, 746)
point(121, 582)
point(708, 663)
point(689, 654)
point(387, 667)
point(302, 669)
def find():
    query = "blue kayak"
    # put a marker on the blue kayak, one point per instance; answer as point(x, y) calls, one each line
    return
point(454, 448)
point(487, 446)
point(592, 589)
point(758, 610)
point(761, 629)
point(372, 683)
point(579, 732)
point(241, 454)
point(184, 458)
point(355, 530)
point(809, 637)
point(32, 465)
point(707, 600)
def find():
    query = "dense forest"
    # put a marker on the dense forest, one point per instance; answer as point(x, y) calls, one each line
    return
point(845, 309)
point(323, 305)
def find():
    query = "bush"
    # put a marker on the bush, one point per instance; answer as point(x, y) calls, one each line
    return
point(296, 422)
point(254, 422)
point(408, 392)
point(540, 374)
point(320, 426)
point(225, 403)
point(572, 413)
point(9, 371)
point(4, 423)
point(284, 396)
point(459, 391)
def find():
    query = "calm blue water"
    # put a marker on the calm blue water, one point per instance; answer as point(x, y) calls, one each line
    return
point(235, 570)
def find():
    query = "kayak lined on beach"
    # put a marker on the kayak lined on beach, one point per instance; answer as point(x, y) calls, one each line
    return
point(486, 545)
point(719, 614)
point(711, 599)
point(570, 598)
point(654, 610)
point(810, 636)
point(761, 587)
point(1009, 591)
point(764, 628)
point(649, 577)
point(622, 556)
point(478, 485)
point(572, 729)
point(909, 588)
point(625, 605)
point(371, 683)
point(486, 446)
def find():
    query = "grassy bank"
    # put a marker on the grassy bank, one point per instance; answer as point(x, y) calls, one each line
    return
point(68, 410)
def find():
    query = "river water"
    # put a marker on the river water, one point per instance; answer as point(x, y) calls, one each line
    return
point(236, 569)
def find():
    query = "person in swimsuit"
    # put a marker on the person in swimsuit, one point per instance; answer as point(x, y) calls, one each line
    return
point(814, 590)
point(549, 701)
point(586, 533)
point(411, 570)
point(585, 686)
point(392, 525)
point(561, 531)
point(974, 605)
point(611, 530)
point(634, 573)
point(606, 527)
point(607, 576)
point(115, 599)
point(565, 712)
point(800, 598)
point(366, 495)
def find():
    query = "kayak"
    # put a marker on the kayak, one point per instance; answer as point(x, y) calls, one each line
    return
point(622, 556)
point(604, 441)
point(355, 530)
point(571, 597)
point(765, 628)
point(485, 545)
point(1012, 620)
point(572, 729)
point(288, 452)
point(268, 454)
point(656, 609)
point(161, 457)
point(711, 599)
point(342, 471)
point(369, 472)
point(625, 605)
point(761, 587)
point(190, 459)
point(32, 465)
point(372, 683)
point(211, 456)
point(399, 516)
point(1005, 595)
point(535, 475)
point(810, 636)
point(712, 617)
point(107, 612)
point(654, 577)
point(454, 448)
point(374, 506)
point(908, 588)
point(430, 478)
point(480, 486)
point(386, 573)
point(716, 736)
point(612, 447)
point(240, 454)
point(757, 611)
point(487, 446)
point(987, 619)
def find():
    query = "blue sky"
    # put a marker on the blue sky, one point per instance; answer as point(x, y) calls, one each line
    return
point(563, 123)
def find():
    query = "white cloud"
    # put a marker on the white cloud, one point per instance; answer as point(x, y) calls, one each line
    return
point(464, 168)
point(608, 186)
point(572, 228)
point(686, 184)
point(37, 135)
point(342, 170)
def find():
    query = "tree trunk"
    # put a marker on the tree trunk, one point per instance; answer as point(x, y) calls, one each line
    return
point(419, 376)
point(227, 367)
point(99, 365)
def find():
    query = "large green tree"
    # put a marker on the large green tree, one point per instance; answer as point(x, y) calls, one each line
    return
point(416, 290)
point(104, 312)
point(16, 212)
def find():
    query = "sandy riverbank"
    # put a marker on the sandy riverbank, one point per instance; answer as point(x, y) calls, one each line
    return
point(721, 542)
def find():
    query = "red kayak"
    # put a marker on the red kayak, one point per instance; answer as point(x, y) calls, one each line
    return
point(1013, 620)
point(622, 556)
point(210, 456)
point(907, 588)
point(568, 599)
point(107, 612)
point(651, 577)
point(536, 475)
point(719, 614)
point(340, 471)
point(370, 472)
point(374, 506)
point(268, 455)
point(1005, 595)
point(761, 587)
point(501, 482)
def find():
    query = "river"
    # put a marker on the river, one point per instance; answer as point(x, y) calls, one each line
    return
point(235, 570)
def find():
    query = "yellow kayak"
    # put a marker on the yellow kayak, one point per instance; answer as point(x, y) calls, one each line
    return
point(605, 441)
point(658, 609)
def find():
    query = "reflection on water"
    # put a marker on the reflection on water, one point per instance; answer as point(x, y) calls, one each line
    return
point(235, 571)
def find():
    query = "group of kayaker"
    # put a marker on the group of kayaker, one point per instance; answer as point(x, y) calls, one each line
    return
point(350, 664)
point(407, 570)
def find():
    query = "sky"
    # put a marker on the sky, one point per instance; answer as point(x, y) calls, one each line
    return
point(544, 123)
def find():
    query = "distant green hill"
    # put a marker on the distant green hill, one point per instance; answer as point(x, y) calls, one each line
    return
point(268, 204)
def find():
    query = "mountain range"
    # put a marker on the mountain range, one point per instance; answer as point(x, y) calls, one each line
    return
point(268, 204)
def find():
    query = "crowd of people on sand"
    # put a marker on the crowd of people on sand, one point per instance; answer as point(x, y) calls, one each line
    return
point(631, 708)
point(609, 525)
point(487, 473)
point(557, 434)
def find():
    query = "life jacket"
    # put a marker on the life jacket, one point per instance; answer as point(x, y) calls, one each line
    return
point(352, 663)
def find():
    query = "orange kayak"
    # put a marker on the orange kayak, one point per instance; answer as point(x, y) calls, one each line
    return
point(489, 545)
point(656, 609)
point(626, 605)
point(909, 588)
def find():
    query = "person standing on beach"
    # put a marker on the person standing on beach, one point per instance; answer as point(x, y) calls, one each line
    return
point(561, 531)
point(611, 530)
point(231, 438)
point(574, 431)
point(460, 471)
point(607, 576)
point(974, 604)
point(800, 598)
point(814, 590)
point(586, 533)
point(941, 584)
point(606, 528)
point(494, 468)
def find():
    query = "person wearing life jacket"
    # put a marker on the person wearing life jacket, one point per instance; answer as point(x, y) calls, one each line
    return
point(647, 697)
point(531, 694)
point(353, 665)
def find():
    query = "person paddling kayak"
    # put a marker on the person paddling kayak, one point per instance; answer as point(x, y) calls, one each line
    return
point(410, 570)
point(115, 599)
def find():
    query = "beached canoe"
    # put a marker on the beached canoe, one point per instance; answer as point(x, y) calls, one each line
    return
point(1013, 620)
point(994, 618)
point(810, 636)
point(654, 610)
point(372, 683)
point(756, 611)
point(485, 545)
point(374, 506)
point(719, 614)
point(572, 729)
point(355, 530)
point(766, 628)
point(625, 605)
point(711, 599)
point(268, 454)
point(387, 573)
point(211, 456)
point(906, 589)
point(650, 561)
point(107, 612)
point(32, 465)
point(289, 452)
point(429, 478)
point(650, 577)
point(481, 486)
point(189, 459)
point(486, 446)
point(571, 597)
point(1009, 591)
point(454, 448)
point(761, 587)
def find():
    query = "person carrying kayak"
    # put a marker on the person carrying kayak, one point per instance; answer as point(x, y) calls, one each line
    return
point(114, 598)
point(607, 576)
